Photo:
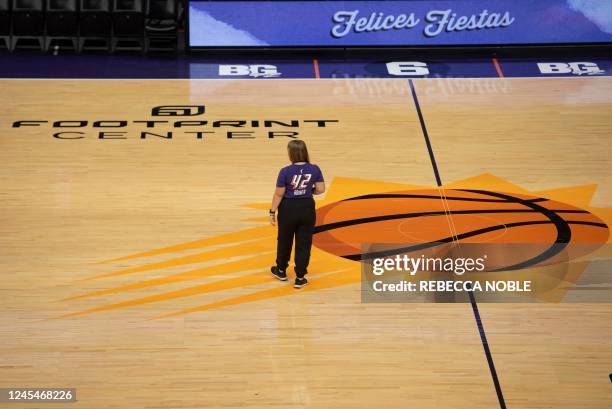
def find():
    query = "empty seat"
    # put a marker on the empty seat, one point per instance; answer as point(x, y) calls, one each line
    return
point(128, 25)
point(94, 24)
point(62, 17)
point(28, 24)
point(62, 23)
point(161, 15)
point(161, 25)
point(5, 23)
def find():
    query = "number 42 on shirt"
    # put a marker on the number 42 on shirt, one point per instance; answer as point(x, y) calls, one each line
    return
point(300, 181)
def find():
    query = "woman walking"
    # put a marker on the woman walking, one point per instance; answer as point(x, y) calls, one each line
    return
point(295, 186)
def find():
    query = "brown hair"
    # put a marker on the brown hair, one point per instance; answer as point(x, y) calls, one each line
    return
point(298, 151)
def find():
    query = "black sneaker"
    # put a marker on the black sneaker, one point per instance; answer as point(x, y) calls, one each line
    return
point(300, 282)
point(281, 275)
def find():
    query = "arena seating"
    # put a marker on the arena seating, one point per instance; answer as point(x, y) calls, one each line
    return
point(90, 25)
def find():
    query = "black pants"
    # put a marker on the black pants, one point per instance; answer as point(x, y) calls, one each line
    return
point(296, 217)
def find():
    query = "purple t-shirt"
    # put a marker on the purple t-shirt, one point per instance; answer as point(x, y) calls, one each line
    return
point(299, 180)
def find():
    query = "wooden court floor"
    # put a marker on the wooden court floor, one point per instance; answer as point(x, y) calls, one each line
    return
point(74, 207)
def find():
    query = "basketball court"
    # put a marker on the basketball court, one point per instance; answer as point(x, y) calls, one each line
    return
point(136, 266)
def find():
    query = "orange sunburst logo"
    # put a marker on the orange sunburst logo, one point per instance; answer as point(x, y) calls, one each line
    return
point(355, 211)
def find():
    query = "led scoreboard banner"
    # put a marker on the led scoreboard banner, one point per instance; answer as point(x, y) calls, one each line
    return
point(398, 23)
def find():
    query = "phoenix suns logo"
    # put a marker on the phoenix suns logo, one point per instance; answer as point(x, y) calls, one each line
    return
point(233, 268)
point(421, 219)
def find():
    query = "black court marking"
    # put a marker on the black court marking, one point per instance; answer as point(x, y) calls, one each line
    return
point(432, 158)
point(564, 232)
point(346, 223)
point(450, 239)
point(481, 330)
point(415, 196)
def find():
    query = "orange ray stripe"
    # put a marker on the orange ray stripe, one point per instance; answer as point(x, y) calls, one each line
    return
point(237, 266)
point(230, 283)
point(243, 235)
point(231, 251)
point(337, 279)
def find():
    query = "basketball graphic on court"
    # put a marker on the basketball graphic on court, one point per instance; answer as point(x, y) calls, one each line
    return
point(421, 219)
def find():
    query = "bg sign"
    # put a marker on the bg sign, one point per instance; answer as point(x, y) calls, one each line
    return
point(575, 68)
